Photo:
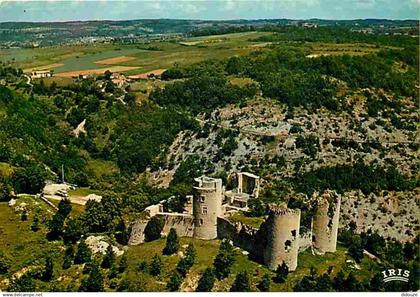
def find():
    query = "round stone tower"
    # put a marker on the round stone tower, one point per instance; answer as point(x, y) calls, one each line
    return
point(282, 227)
point(207, 206)
point(325, 222)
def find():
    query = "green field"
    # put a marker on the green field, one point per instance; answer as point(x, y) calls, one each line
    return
point(161, 55)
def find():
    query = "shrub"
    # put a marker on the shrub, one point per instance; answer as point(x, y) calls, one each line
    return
point(206, 282)
point(172, 243)
point(83, 254)
point(224, 260)
point(242, 283)
point(281, 273)
point(156, 266)
point(153, 229)
point(174, 282)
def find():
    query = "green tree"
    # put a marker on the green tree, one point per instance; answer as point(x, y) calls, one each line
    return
point(101, 216)
point(182, 267)
point(351, 284)
point(257, 208)
point(24, 216)
point(64, 207)
point(109, 258)
point(73, 231)
point(156, 266)
point(122, 233)
point(206, 282)
point(153, 229)
point(94, 282)
point(174, 282)
point(186, 262)
point(123, 264)
point(190, 254)
point(356, 250)
point(224, 260)
point(264, 284)
point(25, 283)
point(5, 191)
point(172, 243)
point(55, 227)
point(376, 283)
point(83, 253)
point(35, 221)
point(113, 271)
point(338, 282)
point(68, 257)
point(281, 273)
point(5, 263)
point(30, 179)
point(48, 269)
point(242, 283)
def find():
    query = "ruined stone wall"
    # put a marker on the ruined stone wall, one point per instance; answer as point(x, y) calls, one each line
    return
point(282, 229)
point(325, 223)
point(305, 241)
point(182, 223)
point(137, 232)
point(241, 235)
point(207, 207)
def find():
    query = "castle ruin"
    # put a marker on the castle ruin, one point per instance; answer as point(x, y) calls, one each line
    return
point(207, 206)
point(325, 222)
point(283, 238)
point(279, 237)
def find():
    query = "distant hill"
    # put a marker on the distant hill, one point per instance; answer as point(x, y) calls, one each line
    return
point(35, 34)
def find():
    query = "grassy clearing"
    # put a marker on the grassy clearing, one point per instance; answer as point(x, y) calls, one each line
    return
point(102, 168)
point(24, 246)
point(76, 209)
point(6, 169)
point(241, 81)
point(250, 221)
point(82, 191)
point(207, 250)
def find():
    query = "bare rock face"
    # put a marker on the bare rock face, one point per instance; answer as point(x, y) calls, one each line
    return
point(391, 214)
point(94, 197)
point(21, 207)
point(12, 202)
point(56, 189)
point(97, 244)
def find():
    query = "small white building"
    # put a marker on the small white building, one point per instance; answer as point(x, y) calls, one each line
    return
point(41, 73)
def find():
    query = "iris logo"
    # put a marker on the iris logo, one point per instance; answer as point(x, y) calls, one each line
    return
point(396, 275)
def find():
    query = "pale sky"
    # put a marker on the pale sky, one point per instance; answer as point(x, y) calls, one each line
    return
point(53, 10)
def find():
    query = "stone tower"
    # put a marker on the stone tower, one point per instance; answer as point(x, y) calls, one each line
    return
point(325, 222)
point(282, 227)
point(207, 206)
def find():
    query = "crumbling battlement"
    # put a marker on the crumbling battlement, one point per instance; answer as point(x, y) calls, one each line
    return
point(282, 210)
point(325, 222)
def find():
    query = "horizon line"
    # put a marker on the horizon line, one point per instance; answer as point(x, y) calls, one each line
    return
point(212, 20)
